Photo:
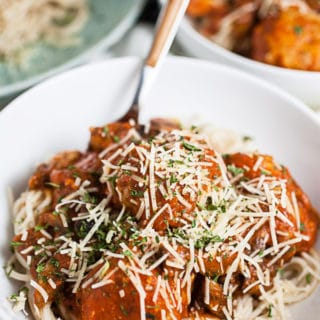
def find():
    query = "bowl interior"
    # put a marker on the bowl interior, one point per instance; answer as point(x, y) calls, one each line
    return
point(56, 115)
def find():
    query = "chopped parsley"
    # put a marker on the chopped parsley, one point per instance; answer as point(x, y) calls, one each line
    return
point(128, 253)
point(246, 138)
point(16, 243)
point(136, 193)
point(54, 262)
point(302, 227)
point(206, 239)
point(190, 147)
point(265, 172)
point(216, 277)
point(38, 227)
point(40, 267)
point(124, 310)
point(105, 130)
point(297, 29)
point(221, 208)
point(75, 175)
point(113, 180)
point(234, 170)
point(270, 310)
point(88, 198)
point(82, 228)
point(173, 179)
point(308, 278)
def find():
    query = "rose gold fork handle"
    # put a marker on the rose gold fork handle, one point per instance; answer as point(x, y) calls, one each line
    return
point(166, 30)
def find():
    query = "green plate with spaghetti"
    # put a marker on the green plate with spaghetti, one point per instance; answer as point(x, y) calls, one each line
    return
point(107, 22)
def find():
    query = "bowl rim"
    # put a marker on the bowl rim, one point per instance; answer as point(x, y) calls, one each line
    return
point(187, 27)
point(109, 40)
point(295, 102)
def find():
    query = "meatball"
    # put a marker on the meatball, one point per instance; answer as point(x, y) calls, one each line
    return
point(228, 23)
point(289, 39)
point(199, 8)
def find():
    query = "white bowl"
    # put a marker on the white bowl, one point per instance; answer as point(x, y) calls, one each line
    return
point(56, 115)
point(302, 84)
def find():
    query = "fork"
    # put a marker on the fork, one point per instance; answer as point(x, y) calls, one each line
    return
point(166, 29)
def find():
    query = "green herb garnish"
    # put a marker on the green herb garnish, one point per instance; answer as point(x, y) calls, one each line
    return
point(308, 278)
point(16, 243)
point(124, 310)
point(173, 179)
point(297, 29)
point(235, 170)
point(136, 193)
point(128, 253)
point(246, 138)
point(40, 267)
point(105, 130)
point(190, 147)
point(54, 262)
point(88, 198)
point(302, 227)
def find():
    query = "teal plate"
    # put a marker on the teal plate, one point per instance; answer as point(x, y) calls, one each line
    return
point(108, 21)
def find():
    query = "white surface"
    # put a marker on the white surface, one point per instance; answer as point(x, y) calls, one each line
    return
point(56, 115)
point(302, 84)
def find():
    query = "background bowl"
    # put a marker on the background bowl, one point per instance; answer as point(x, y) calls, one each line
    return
point(56, 115)
point(302, 84)
point(108, 21)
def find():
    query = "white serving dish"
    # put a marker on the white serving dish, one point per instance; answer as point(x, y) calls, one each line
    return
point(57, 114)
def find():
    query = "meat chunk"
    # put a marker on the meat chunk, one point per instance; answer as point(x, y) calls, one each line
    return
point(253, 167)
point(178, 166)
point(103, 137)
point(120, 298)
point(61, 160)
